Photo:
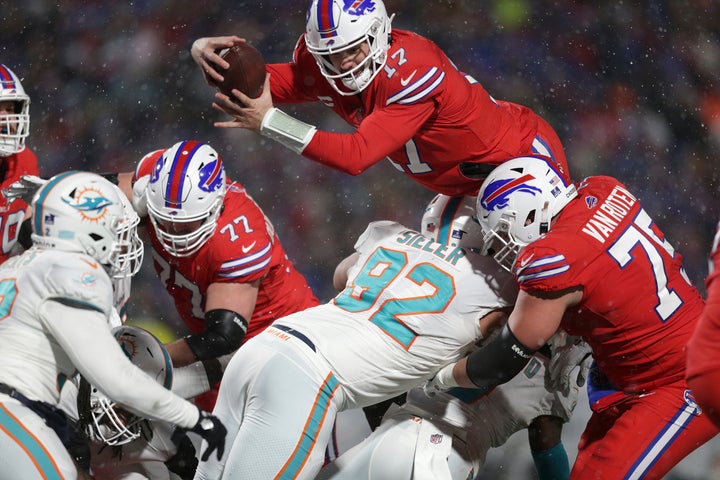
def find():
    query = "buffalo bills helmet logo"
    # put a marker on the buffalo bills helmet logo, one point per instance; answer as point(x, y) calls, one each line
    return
point(497, 194)
point(155, 174)
point(359, 7)
point(211, 176)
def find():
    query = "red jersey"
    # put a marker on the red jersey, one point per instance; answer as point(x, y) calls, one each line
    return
point(702, 350)
point(638, 308)
point(243, 249)
point(12, 215)
point(422, 113)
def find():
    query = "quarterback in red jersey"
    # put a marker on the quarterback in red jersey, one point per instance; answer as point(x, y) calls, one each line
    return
point(703, 372)
point(405, 98)
point(15, 158)
point(216, 252)
point(590, 260)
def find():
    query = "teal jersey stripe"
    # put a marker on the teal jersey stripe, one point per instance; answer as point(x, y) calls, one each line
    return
point(48, 469)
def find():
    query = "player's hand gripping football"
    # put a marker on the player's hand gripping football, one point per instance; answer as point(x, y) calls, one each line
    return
point(211, 429)
point(246, 112)
point(574, 355)
point(206, 53)
point(24, 189)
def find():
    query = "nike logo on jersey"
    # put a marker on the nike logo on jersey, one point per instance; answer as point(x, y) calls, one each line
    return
point(246, 249)
point(92, 264)
point(525, 261)
point(406, 80)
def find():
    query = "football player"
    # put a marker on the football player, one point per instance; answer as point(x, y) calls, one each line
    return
point(16, 159)
point(405, 98)
point(122, 443)
point(703, 373)
point(216, 253)
point(409, 306)
point(468, 421)
point(57, 300)
point(589, 259)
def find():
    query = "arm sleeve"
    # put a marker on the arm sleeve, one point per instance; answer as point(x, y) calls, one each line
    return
point(382, 132)
point(85, 337)
point(498, 361)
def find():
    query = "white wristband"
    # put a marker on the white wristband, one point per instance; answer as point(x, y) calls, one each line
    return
point(287, 130)
point(445, 377)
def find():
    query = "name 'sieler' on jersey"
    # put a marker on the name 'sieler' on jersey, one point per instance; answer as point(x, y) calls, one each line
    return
point(415, 240)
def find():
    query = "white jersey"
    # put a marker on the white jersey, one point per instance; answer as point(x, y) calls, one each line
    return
point(43, 348)
point(57, 313)
point(32, 360)
point(410, 306)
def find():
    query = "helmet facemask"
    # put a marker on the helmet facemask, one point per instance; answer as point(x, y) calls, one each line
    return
point(185, 244)
point(516, 205)
point(128, 250)
point(14, 127)
point(185, 196)
point(112, 424)
point(83, 212)
point(368, 29)
point(108, 421)
point(500, 244)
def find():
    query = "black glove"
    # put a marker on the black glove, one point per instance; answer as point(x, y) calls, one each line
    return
point(211, 429)
point(184, 462)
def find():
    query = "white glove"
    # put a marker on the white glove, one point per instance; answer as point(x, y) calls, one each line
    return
point(574, 354)
point(443, 381)
point(139, 199)
point(23, 189)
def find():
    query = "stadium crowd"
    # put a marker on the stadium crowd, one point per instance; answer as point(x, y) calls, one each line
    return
point(631, 88)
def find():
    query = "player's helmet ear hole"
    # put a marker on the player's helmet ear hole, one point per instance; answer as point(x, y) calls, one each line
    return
point(530, 218)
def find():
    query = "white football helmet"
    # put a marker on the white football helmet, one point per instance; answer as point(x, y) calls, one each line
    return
point(185, 196)
point(333, 26)
point(110, 422)
point(516, 204)
point(451, 221)
point(15, 127)
point(83, 212)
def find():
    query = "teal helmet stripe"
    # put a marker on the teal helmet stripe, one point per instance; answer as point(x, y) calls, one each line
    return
point(446, 219)
point(38, 214)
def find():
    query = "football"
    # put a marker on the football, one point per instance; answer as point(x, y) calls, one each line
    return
point(246, 72)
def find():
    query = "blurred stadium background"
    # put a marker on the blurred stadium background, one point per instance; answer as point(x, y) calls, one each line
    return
point(631, 87)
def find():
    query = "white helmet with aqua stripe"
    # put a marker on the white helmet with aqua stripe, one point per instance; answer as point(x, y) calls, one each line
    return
point(451, 221)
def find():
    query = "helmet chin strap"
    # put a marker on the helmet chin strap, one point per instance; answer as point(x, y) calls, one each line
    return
point(544, 218)
point(359, 81)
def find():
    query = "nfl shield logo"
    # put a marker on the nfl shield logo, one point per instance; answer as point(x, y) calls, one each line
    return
point(436, 438)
